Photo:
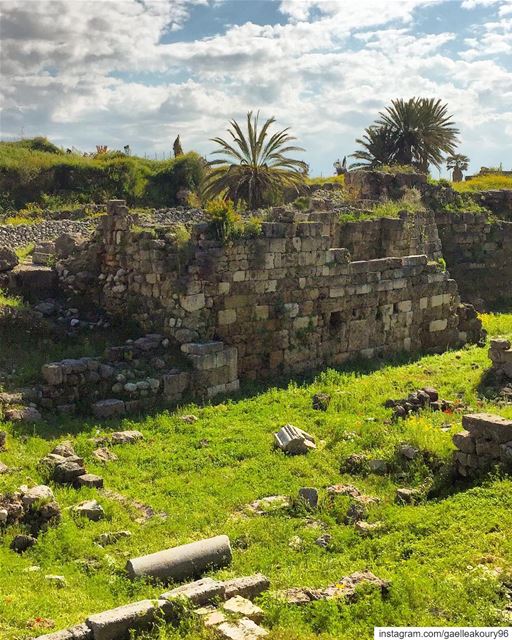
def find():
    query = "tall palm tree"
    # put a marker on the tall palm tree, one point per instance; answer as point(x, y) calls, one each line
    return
point(378, 148)
point(457, 163)
point(255, 168)
point(422, 130)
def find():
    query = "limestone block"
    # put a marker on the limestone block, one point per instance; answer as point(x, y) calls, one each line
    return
point(115, 624)
point(464, 442)
point(292, 440)
point(175, 384)
point(438, 325)
point(243, 629)
point(78, 632)
point(490, 426)
point(247, 586)
point(192, 303)
point(110, 408)
point(227, 316)
point(239, 605)
point(52, 374)
point(199, 593)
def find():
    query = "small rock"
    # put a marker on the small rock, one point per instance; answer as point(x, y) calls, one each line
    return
point(408, 451)
point(294, 441)
point(3, 440)
point(126, 437)
point(23, 414)
point(355, 463)
point(68, 471)
point(4, 514)
point(367, 528)
point(64, 449)
point(432, 393)
point(39, 493)
point(408, 496)
point(90, 480)
point(112, 537)
point(58, 581)
point(269, 504)
point(321, 401)
point(22, 542)
point(189, 419)
point(323, 540)
point(378, 466)
point(343, 490)
point(90, 509)
point(243, 629)
point(355, 513)
point(295, 543)
point(104, 455)
point(241, 606)
point(310, 496)
point(3, 468)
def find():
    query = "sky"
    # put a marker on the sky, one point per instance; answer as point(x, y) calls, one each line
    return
point(140, 72)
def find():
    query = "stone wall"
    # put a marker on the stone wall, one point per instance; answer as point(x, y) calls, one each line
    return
point(498, 201)
point(485, 442)
point(478, 254)
point(377, 185)
point(138, 375)
point(287, 300)
point(410, 234)
point(24, 234)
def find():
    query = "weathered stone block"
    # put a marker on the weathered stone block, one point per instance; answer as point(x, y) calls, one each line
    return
point(116, 624)
point(486, 425)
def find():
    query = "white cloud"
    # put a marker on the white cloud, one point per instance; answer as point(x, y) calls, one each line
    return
point(98, 72)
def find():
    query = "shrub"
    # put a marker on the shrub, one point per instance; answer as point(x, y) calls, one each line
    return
point(224, 217)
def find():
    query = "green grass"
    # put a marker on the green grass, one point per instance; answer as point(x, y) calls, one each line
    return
point(36, 174)
point(483, 183)
point(441, 556)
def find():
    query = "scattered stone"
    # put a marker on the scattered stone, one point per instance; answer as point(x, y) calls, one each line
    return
point(39, 493)
point(64, 449)
point(68, 471)
point(198, 593)
point(58, 581)
point(22, 542)
point(210, 616)
point(343, 490)
point(189, 419)
point(321, 401)
point(78, 632)
point(408, 496)
point(111, 537)
point(8, 259)
point(324, 540)
point(367, 528)
point(104, 455)
point(408, 451)
point(309, 495)
point(3, 440)
point(23, 414)
point(90, 509)
point(3, 468)
point(4, 514)
point(378, 466)
point(417, 400)
point(243, 629)
point(296, 543)
point(119, 622)
point(345, 589)
point(267, 505)
point(355, 463)
point(294, 441)
point(355, 513)
point(241, 606)
point(247, 586)
point(126, 437)
point(90, 480)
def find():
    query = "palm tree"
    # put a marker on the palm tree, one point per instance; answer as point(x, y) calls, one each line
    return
point(422, 131)
point(255, 168)
point(457, 163)
point(378, 148)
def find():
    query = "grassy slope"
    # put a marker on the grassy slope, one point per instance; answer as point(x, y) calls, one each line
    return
point(439, 555)
point(483, 183)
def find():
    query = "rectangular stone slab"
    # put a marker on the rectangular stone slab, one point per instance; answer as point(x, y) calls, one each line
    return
point(198, 593)
point(489, 426)
point(115, 624)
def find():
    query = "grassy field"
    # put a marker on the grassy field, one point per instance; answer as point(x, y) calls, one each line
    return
point(447, 558)
point(483, 183)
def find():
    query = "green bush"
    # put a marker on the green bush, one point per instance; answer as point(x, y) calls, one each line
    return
point(32, 171)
